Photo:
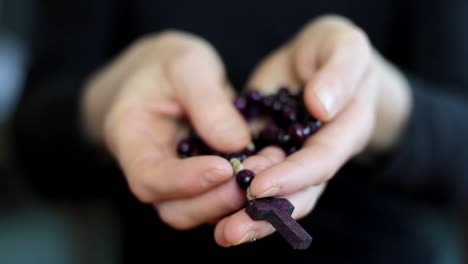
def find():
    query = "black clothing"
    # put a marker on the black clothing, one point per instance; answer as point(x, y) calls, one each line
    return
point(366, 215)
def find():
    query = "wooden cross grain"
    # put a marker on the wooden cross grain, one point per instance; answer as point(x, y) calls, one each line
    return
point(277, 211)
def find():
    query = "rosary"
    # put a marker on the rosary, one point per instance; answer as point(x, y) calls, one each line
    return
point(288, 125)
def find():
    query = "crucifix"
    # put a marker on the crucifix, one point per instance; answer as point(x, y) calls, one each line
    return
point(277, 211)
point(288, 126)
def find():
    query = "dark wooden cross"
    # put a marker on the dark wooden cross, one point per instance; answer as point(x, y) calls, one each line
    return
point(277, 211)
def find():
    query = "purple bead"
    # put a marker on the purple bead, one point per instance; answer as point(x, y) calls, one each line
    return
point(283, 139)
point(289, 114)
point(276, 106)
point(249, 104)
point(188, 147)
point(240, 103)
point(290, 124)
point(244, 178)
point(269, 135)
point(183, 148)
point(311, 126)
point(283, 94)
point(296, 132)
point(254, 96)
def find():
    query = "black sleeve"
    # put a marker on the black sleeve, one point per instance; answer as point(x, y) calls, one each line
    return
point(71, 39)
point(432, 160)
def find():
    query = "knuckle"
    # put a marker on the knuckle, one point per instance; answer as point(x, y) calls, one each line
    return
point(140, 191)
point(191, 57)
point(230, 202)
point(355, 36)
point(145, 43)
point(274, 156)
point(259, 163)
point(174, 218)
point(171, 39)
point(171, 35)
point(166, 36)
point(330, 19)
point(330, 167)
point(333, 18)
point(139, 180)
point(175, 37)
point(184, 60)
point(349, 31)
point(182, 40)
point(365, 131)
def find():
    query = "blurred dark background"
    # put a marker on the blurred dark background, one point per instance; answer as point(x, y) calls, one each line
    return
point(33, 230)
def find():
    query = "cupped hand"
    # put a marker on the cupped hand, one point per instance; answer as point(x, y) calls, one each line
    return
point(363, 100)
point(137, 106)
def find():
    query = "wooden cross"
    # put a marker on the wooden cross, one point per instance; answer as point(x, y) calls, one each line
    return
point(277, 211)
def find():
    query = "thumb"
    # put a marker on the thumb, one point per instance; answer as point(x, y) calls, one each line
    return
point(200, 85)
point(331, 57)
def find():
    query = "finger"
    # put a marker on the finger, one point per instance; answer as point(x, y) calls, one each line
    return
point(239, 228)
point(143, 145)
point(184, 214)
point(274, 71)
point(325, 152)
point(304, 201)
point(264, 158)
point(218, 202)
point(199, 81)
point(331, 56)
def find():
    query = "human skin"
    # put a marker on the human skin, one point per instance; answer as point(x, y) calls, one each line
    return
point(138, 106)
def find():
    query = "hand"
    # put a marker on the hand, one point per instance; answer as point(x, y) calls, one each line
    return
point(363, 100)
point(135, 107)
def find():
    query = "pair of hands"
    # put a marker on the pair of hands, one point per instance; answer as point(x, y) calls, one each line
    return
point(136, 106)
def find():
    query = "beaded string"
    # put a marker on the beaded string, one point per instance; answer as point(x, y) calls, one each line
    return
point(288, 125)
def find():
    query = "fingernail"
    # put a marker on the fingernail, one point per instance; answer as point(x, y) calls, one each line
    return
point(328, 100)
point(250, 236)
point(271, 192)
